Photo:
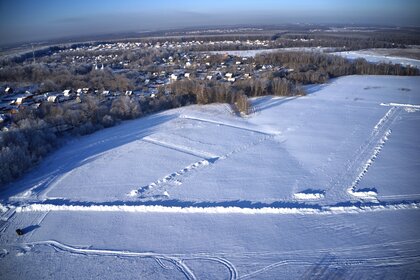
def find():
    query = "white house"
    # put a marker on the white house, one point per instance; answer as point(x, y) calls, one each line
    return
point(67, 92)
point(19, 100)
point(52, 98)
point(8, 90)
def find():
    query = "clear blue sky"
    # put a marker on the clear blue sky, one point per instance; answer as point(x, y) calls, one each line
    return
point(22, 20)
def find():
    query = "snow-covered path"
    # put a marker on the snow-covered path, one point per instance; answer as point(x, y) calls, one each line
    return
point(325, 185)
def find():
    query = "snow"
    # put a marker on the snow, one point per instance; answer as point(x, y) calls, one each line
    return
point(253, 53)
point(324, 186)
point(377, 56)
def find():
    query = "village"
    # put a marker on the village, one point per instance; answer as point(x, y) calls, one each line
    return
point(174, 63)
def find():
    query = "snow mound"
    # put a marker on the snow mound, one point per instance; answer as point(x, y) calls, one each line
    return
point(401, 105)
point(306, 210)
point(364, 193)
point(309, 195)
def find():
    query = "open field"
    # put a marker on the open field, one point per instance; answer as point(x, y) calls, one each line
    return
point(321, 185)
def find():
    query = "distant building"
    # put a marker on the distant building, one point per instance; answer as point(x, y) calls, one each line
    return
point(52, 98)
point(67, 92)
point(8, 90)
point(174, 77)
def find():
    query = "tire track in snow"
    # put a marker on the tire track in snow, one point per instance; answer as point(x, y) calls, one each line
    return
point(179, 264)
point(233, 273)
point(178, 260)
point(306, 256)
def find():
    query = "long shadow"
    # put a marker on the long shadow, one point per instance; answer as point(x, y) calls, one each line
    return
point(182, 203)
point(370, 203)
point(29, 229)
point(80, 151)
point(267, 103)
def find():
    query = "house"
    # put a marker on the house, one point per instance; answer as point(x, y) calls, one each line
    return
point(187, 75)
point(67, 92)
point(228, 75)
point(8, 90)
point(19, 100)
point(174, 77)
point(106, 92)
point(52, 98)
point(231, 80)
point(209, 77)
point(128, 92)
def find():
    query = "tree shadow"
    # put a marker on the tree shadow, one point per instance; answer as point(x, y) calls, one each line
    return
point(267, 102)
point(29, 229)
point(80, 151)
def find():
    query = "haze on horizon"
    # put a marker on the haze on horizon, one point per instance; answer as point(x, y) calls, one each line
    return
point(26, 20)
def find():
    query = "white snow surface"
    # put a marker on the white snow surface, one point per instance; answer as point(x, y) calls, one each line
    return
point(253, 53)
point(324, 186)
point(377, 57)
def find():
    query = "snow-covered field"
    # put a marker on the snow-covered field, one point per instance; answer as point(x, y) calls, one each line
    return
point(371, 55)
point(320, 186)
point(253, 53)
point(377, 56)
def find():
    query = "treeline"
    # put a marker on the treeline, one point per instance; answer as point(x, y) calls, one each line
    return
point(58, 77)
point(36, 132)
point(208, 92)
point(311, 67)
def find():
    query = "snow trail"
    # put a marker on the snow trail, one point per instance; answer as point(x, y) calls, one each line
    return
point(364, 157)
point(401, 105)
point(178, 260)
point(370, 194)
point(182, 149)
point(170, 179)
point(226, 124)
